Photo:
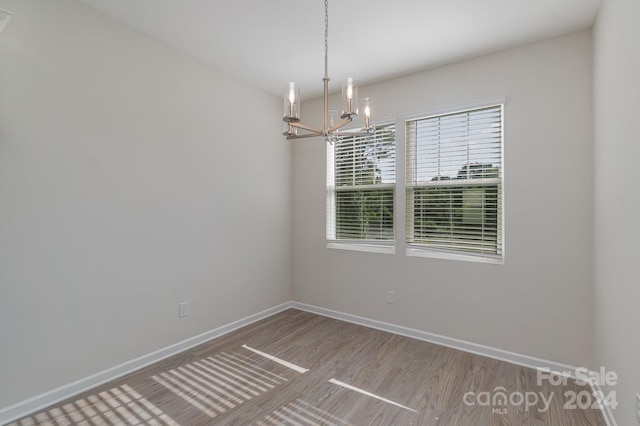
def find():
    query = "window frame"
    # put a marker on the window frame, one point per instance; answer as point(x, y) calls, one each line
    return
point(423, 250)
point(387, 246)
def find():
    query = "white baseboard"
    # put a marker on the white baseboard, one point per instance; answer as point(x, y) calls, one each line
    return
point(46, 399)
point(474, 348)
point(606, 410)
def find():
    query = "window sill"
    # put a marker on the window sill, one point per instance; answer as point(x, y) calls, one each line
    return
point(419, 252)
point(371, 248)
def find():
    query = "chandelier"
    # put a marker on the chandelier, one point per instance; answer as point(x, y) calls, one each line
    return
point(331, 124)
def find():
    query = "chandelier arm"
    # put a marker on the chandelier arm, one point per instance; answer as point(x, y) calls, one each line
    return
point(360, 133)
point(339, 125)
point(305, 127)
point(309, 135)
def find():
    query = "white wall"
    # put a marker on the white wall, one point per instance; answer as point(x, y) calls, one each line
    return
point(129, 182)
point(617, 206)
point(539, 303)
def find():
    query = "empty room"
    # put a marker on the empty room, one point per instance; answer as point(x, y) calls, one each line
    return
point(319, 212)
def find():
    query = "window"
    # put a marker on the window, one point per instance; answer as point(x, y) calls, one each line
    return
point(454, 183)
point(361, 188)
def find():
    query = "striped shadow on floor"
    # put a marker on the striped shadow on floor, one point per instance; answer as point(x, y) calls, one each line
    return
point(119, 405)
point(219, 383)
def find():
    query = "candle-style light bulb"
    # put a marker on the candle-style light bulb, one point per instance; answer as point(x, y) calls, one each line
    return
point(291, 103)
point(292, 95)
point(349, 93)
point(350, 98)
point(367, 112)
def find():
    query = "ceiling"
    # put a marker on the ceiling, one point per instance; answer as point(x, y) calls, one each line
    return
point(270, 42)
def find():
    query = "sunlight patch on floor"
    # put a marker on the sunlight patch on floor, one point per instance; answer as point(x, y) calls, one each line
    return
point(120, 405)
point(218, 383)
point(300, 412)
point(372, 395)
point(280, 361)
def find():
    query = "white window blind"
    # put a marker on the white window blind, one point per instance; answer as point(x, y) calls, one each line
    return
point(361, 187)
point(454, 182)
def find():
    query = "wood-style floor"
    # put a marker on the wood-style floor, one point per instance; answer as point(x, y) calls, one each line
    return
point(325, 372)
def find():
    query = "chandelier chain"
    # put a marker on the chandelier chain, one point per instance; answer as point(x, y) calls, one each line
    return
point(326, 38)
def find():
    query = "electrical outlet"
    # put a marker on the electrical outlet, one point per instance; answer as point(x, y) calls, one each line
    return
point(391, 297)
point(183, 309)
point(638, 407)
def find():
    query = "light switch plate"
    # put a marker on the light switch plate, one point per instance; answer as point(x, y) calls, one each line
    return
point(183, 309)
